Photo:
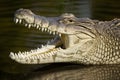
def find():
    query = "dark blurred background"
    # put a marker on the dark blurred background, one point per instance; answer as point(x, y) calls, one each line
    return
point(15, 37)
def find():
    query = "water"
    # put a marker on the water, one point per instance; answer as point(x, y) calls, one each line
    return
point(14, 37)
point(77, 72)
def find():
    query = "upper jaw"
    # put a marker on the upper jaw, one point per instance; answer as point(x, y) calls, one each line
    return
point(51, 25)
point(24, 19)
point(24, 15)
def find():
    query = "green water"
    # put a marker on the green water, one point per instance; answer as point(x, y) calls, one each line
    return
point(15, 37)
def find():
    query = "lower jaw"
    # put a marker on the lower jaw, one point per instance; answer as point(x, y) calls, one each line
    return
point(44, 51)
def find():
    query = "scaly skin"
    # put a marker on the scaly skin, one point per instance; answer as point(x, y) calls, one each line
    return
point(80, 40)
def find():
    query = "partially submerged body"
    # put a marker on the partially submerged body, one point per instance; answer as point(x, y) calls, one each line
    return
point(80, 40)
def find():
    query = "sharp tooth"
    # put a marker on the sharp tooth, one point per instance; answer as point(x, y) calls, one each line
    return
point(16, 56)
point(19, 55)
point(29, 25)
point(26, 24)
point(48, 54)
point(42, 55)
point(54, 33)
point(50, 32)
point(42, 46)
point(35, 57)
point(38, 57)
point(16, 21)
point(19, 52)
point(42, 29)
point(51, 53)
point(20, 20)
point(12, 55)
point(32, 51)
point(37, 26)
point(45, 29)
point(26, 53)
point(59, 34)
point(59, 48)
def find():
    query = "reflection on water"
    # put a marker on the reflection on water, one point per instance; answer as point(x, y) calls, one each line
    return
point(17, 37)
point(75, 72)
point(72, 72)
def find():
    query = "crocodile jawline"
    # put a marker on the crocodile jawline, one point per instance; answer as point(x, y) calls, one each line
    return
point(43, 52)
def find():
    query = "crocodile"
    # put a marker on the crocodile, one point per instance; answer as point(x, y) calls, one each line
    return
point(77, 40)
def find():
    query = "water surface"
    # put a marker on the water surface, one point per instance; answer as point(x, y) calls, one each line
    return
point(15, 37)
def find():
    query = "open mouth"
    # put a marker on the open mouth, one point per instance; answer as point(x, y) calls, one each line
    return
point(45, 51)
point(74, 38)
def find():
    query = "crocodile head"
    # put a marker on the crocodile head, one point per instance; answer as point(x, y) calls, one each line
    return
point(72, 36)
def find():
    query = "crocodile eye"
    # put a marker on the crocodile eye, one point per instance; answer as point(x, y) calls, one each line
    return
point(66, 21)
point(70, 20)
